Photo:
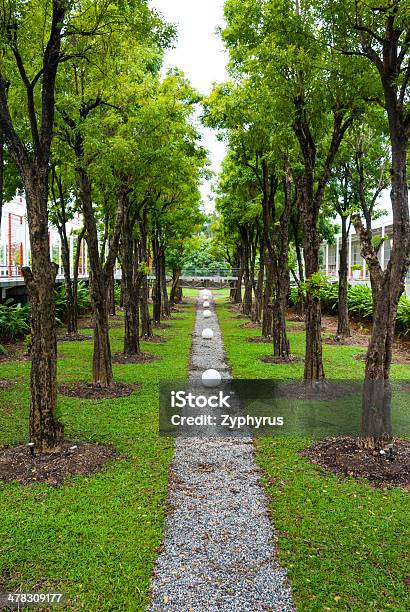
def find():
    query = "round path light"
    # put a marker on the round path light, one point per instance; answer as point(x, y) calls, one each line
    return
point(206, 304)
point(207, 334)
point(207, 314)
point(211, 378)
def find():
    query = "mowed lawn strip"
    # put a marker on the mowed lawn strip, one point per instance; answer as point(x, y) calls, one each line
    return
point(94, 538)
point(344, 544)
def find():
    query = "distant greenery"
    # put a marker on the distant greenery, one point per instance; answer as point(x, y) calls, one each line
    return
point(360, 303)
point(202, 254)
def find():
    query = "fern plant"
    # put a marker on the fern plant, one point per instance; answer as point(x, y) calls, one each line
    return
point(14, 320)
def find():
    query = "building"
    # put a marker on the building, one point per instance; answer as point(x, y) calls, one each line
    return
point(330, 254)
point(15, 242)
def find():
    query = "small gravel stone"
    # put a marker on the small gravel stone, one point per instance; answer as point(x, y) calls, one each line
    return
point(219, 549)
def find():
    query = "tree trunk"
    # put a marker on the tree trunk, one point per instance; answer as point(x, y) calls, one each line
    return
point(146, 325)
point(281, 346)
point(234, 286)
point(72, 327)
point(173, 296)
point(102, 366)
point(111, 294)
point(165, 305)
point(280, 246)
point(237, 295)
point(156, 290)
point(257, 309)
point(46, 433)
point(129, 275)
point(267, 300)
point(376, 419)
point(343, 324)
point(247, 298)
point(300, 305)
point(75, 276)
point(313, 356)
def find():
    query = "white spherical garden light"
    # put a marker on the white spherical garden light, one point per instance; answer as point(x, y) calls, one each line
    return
point(211, 378)
point(207, 314)
point(206, 304)
point(207, 334)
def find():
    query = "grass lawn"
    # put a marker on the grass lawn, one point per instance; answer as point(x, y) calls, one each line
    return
point(95, 537)
point(344, 544)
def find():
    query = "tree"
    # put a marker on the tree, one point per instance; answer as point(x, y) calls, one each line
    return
point(380, 35)
point(280, 48)
point(238, 203)
point(340, 195)
point(31, 70)
point(97, 93)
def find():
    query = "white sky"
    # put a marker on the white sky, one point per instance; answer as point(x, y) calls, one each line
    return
point(200, 55)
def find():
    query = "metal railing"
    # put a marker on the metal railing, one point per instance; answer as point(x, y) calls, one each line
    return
point(10, 271)
point(210, 272)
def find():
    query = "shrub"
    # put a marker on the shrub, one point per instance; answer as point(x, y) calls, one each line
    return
point(117, 293)
point(360, 301)
point(403, 316)
point(14, 320)
point(329, 296)
point(83, 300)
point(294, 295)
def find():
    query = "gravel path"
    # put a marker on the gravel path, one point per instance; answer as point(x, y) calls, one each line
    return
point(219, 548)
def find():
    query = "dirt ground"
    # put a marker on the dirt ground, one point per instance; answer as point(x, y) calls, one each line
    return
point(344, 456)
point(18, 465)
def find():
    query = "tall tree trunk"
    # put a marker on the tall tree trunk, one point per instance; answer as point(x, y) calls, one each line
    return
point(75, 276)
point(314, 369)
point(165, 306)
point(45, 432)
point(173, 296)
point(247, 298)
point(146, 325)
point(156, 290)
point(281, 346)
point(343, 324)
point(388, 287)
point(72, 326)
point(102, 366)
point(300, 304)
point(258, 307)
point(237, 294)
point(267, 299)
point(129, 274)
point(236, 266)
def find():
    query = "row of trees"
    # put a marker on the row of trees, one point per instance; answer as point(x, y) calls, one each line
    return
point(317, 118)
point(92, 128)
